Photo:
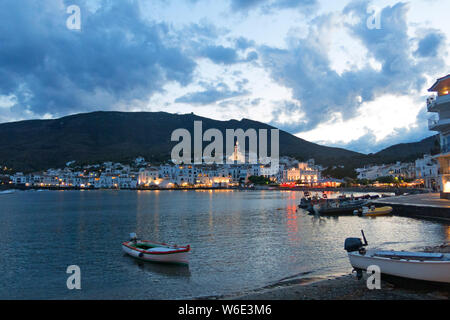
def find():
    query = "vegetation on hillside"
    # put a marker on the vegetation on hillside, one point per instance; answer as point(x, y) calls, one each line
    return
point(259, 180)
point(122, 136)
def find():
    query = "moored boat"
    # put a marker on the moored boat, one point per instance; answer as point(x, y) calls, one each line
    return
point(339, 207)
point(373, 211)
point(434, 267)
point(156, 252)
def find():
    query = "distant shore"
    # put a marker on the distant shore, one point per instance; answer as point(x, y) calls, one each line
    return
point(396, 191)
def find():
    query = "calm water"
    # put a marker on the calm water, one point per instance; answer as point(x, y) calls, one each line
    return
point(240, 241)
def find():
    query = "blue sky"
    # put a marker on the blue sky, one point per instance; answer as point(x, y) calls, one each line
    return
point(317, 69)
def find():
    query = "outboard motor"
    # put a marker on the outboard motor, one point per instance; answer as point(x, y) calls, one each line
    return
point(356, 244)
point(133, 237)
point(353, 244)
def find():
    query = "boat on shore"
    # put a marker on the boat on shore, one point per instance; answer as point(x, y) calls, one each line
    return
point(156, 252)
point(432, 267)
point(373, 211)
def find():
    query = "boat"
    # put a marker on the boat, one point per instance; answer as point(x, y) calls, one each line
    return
point(432, 267)
point(156, 252)
point(305, 203)
point(337, 207)
point(373, 212)
point(7, 192)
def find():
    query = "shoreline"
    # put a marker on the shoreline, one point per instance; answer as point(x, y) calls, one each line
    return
point(345, 286)
point(396, 191)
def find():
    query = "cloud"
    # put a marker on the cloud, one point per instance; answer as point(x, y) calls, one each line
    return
point(368, 143)
point(118, 57)
point(305, 66)
point(429, 46)
point(220, 54)
point(244, 43)
point(226, 55)
point(213, 94)
point(268, 6)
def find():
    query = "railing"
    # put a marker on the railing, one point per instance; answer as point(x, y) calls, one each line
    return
point(432, 123)
point(433, 101)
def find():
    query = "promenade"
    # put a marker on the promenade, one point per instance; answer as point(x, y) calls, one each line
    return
point(426, 205)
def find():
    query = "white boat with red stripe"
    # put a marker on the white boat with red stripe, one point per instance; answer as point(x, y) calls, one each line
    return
point(156, 252)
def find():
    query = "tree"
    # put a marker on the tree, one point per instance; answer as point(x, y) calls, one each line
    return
point(260, 180)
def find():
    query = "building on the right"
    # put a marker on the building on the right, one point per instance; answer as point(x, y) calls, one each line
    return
point(439, 103)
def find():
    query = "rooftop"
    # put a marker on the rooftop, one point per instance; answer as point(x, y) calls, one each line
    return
point(440, 83)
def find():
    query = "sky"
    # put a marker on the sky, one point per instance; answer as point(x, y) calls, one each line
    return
point(351, 74)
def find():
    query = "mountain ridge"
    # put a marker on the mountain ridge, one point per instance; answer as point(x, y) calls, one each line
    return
point(33, 145)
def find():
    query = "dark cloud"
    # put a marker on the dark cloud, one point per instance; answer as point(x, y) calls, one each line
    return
point(220, 54)
point(117, 57)
point(226, 55)
point(243, 43)
point(269, 5)
point(246, 4)
point(213, 94)
point(305, 66)
point(429, 46)
point(286, 109)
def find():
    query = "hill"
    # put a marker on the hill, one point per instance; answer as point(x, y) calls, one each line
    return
point(408, 151)
point(35, 145)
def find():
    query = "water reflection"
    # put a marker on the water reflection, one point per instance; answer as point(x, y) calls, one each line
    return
point(292, 224)
point(172, 270)
point(239, 241)
point(147, 217)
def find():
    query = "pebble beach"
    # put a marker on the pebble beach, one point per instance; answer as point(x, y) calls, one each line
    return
point(347, 287)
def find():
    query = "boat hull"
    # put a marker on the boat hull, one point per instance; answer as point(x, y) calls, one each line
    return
point(327, 209)
point(178, 257)
point(384, 211)
point(434, 271)
point(338, 211)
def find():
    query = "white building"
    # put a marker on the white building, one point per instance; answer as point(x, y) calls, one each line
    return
point(427, 169)
point(440, 122)
point(19, 178)
point(396, 170)
point(303, 173)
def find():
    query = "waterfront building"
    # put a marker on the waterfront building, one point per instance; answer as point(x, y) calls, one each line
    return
point(139, 174)
point(304, 173)
point(149, 176)
point(19, 178)
point(427, 169)
point(439, 104)
point(398, 170)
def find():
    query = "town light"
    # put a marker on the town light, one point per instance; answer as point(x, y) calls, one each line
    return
point(447, 187)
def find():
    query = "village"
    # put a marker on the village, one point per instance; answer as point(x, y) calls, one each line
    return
point(291, 173)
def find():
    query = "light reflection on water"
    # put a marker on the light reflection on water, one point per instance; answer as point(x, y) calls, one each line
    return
point(240, 241)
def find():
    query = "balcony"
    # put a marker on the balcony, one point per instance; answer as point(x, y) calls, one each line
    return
point(434, 103)
point(435, 124)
